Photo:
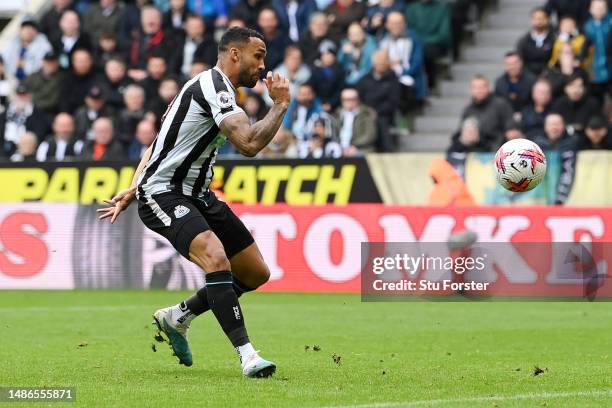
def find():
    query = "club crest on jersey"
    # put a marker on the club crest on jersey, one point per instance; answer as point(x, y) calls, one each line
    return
point(180, 211)
point(224, 99)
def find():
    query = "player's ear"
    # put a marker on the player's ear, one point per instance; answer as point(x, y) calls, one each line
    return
point(235, 54)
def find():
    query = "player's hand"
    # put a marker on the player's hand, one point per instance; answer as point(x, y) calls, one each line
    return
point(117, 204)
point(278, 88)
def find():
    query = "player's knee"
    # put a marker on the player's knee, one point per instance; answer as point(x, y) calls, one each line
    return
point(218, 261)
point(263, 275)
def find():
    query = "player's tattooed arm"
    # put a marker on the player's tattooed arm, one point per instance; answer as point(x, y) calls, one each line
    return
point(124, 198)
point(250, 139)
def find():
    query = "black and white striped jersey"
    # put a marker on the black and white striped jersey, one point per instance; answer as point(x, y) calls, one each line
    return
point(186, 147)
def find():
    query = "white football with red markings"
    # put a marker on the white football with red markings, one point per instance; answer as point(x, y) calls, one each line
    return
point(520, 165)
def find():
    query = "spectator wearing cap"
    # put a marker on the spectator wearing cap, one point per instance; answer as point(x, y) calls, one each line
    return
point(276, 40)
point(532, 117)
point(62, 144)
point(49, 22)
point(407, 60)
point(23, 115)
point(71, 38)
point(128, 117)
point(103, 146)
point(94, 108)
point(380, 90)
point(103, 17)
point(145, 134)
point(26, 148)
point(377, 14)
point(597, 135)
point(195, 45)
point(294, 16)
point(327, 77)
point(356, 123)
point(45, 84)
point(114, 82)
point(431, 20)
point(318, 28)
point(516, 83)
point(535, 47)
point(77, 82)
point(341, 14)
point(491, 112)
point(174, 18)
point(598, 31)
point(24, 55)
point(576, 106)
point(355, 54)
point(301, 109)
point(248, 10)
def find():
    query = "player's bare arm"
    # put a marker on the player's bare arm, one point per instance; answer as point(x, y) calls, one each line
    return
point(250, 139)
point(124, 198)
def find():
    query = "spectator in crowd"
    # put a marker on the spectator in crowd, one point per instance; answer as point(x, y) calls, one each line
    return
point(71, 38)
point(535, 47)
point(103, 17)
point(294, 69)
point(23, 56)
point(128, 117)
point(26, 148)
point(145, 134)
point(156, 70)
point(557, 139)
point(597, 31)
point(77, 82)
point(532, 117)
point(196, 44)
point(114, 82)
point(301, 109)
point(282, 146)
point(174, 19)
point(5, 90)
point(576, 107)
point(214, 12)
point(380, 90)
point(570, 35)
point(469, 139)
point(491, 112)
point(317, 32)
point(356, 123)
point(254, 107)
point(431, 20)
point(516, 83)
point(94, 108)
point(248, 10)
point(327, 77)
point(103, 146)
point(341, 13)
point(406, 55)
point(355, 54)
point(168, 89)
point(377, 14)
point(106, 49)
point(148, 41)
point(513, 131)
point(62, 145)
point(22, 115)
point(294, 16)
point(197, 66)
point(597, 135)
point(276, 40)
point(49, 22)
point(322, 140)
point(45, 84)
point(579, 9)
point(565, 67)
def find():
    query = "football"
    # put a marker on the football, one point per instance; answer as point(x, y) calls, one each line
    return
point(520, 165)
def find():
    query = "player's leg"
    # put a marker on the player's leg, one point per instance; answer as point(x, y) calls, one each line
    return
point(207, 251)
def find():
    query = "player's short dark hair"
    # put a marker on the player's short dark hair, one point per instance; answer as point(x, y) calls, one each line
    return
point(237, 35)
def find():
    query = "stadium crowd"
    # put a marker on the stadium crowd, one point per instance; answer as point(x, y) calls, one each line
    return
point(91, 79)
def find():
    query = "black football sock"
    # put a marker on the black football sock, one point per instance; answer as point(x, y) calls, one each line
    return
point(198, 302)
point(224, 303)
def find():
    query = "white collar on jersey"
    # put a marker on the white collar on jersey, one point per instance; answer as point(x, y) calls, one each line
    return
point(216, 67)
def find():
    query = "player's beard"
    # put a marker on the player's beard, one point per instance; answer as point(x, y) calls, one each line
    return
point(247, 78)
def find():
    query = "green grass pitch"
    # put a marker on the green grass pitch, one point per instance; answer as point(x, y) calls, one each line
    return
point(391, 354)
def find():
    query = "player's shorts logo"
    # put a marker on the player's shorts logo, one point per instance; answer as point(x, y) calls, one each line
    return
point(180, 211)
point(224, 99)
